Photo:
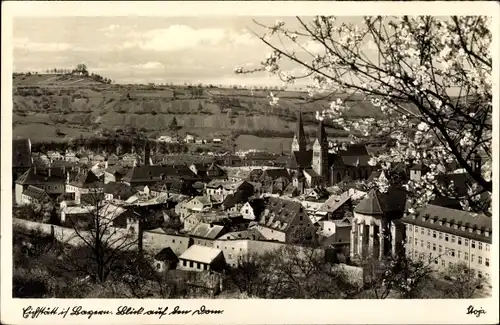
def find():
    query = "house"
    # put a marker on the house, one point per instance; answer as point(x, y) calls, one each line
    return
point(142, 189)
point(208, 171)
point(149, 175)
point(114, 174)
point(252, 209)
point(217, 140)
point(243, 187)
point(234, 202)
point(165, 260)
point(202, 258)
point(130, 160)
point(112, 160)
point(337, 205)
point(291, 191)
point(81, 217)
point(54, 155)
point(98, 159)
point(165, 138)
point(285, 221)
point(118, 191)
point(250, 234)
point(189, 138)
point(206, 231)
point(268, 176)
point(34, 195)
point(336, 232)
point(51, 180)
point(316, 194)
point(229, 160)
point(120, 217)
point(200, 141)
point(22, 159)
point(85, 182)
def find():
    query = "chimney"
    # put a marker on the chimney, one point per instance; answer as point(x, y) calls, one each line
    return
point(478, 231)
point(462, 228)
point(487, 233)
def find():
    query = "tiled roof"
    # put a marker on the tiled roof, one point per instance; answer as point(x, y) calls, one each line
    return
point(41, 176)
point(377, 203)
point(203, 254)
point(21, 153)
point(205, 230)
point(311, 172)
point(121, 190)
point(279, 213)
point(233, 199)
point(166, 254)
point(251, 234)
point(290, 189)
point(152, 174)
point(335, 201)
point(35, 193)
point(436, 217)
point(276, 173)
point(85, 179)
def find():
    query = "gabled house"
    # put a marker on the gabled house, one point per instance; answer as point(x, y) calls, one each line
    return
point(120, 217)
point(51, 180)
point(252, 209)
point(118, 191)
point(202, 258)
point(285, 221)
point(149, 175)
point(34, 195)
point(337, 205)
point(234, 202)
point(206, 231)
point(270, 175)
point(85, 182)
point(316, 194)
point(165, 260)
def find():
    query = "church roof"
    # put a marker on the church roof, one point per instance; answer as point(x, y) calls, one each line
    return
point(300, 159)
point(377, 203)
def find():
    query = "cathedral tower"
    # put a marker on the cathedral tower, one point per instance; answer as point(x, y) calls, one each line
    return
point(299, 142)
point(320, 153)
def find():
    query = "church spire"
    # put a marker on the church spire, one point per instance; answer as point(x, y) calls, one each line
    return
point(299, 142)
point(321, 134)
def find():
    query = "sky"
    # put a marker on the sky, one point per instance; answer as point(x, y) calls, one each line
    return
point(147, 49)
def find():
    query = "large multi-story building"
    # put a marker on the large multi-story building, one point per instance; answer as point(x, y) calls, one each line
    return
point(451, 236)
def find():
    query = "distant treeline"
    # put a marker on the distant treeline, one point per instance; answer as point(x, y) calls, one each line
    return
point(110, 144)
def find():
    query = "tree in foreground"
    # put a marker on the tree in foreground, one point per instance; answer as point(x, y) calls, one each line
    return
point(430, 77)
point(101, 237)
point(464, 281)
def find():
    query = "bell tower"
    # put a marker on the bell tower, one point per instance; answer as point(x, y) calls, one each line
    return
point(320, 152)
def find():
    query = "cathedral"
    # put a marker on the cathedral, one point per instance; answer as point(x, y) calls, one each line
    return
point(314, 166)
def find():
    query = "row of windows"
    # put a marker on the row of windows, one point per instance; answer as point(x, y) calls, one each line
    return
point(199, 266)
point(447, 237)
point(443, 263)
point(451, 252)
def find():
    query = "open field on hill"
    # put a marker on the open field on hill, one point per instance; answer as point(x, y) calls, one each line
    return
point(78, 105)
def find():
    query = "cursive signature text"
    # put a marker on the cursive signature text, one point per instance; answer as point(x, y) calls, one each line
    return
point(471, 310)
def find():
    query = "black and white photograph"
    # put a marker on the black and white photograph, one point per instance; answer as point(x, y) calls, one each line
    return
point(241, 156)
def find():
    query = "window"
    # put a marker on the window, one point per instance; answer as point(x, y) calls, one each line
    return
point(440, 248)
point(458, 254)
point(452, 252)
point(416, 241)
point(487, 262)
point(158, 266)
point(440, 235)
point(184, 263)
point(473, 244)
point(422, 231)
point(472, 257)
point(459, 240)
point(301, 218)
point(416, 229)
point(434, 247)
point(409, 227)
point(229, 256)
point(479, 274)
point(487, 247)
point(435, 261)
point(421, 243)
point(428, 232)
point(446, 237)
point(452, 239)
point(480, 260)
point(173, 240)
point(198, 265)
point(434, 234)
point(191, 263)
point(428, 245)
point(466, 256)
point(409, 241)
point(443, 263)
point(480, 245)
